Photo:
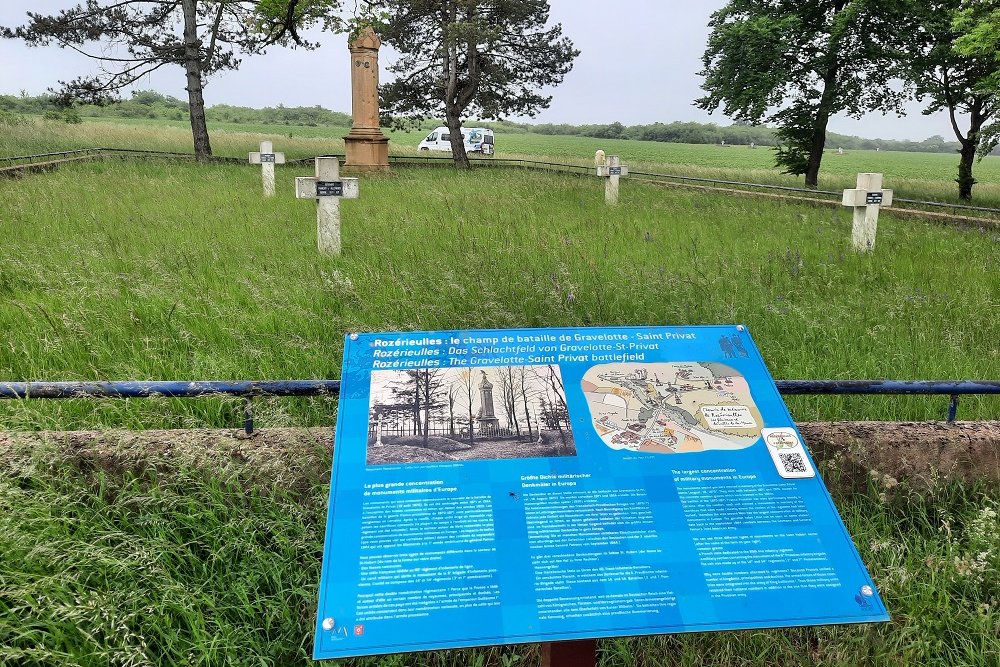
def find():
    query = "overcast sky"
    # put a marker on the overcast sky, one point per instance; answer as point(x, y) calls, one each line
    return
point(639, 64)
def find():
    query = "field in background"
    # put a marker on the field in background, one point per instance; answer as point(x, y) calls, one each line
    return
point(913, 175)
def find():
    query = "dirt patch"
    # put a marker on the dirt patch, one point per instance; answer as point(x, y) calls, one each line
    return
point(925, 454)
point(290, 458)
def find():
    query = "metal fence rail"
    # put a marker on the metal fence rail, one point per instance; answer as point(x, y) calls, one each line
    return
point(249, 389)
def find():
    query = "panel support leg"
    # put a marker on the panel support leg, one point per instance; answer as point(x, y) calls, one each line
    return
point(576, 653)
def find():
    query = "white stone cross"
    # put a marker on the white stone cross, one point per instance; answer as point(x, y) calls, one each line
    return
point(866, 199)
point(327, 188)
point(611, 169)
point(267, 158)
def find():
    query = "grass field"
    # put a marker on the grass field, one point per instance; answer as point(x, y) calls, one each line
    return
point(156, 270)
point(913, 175)
point(169, 564)
point(171, 270)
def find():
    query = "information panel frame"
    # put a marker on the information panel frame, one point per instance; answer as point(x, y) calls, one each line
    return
point(616, 481)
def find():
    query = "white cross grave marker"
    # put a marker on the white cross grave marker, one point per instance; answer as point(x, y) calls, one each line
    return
point(612, 170)
point(267, 158)
point(866, 199)
point(327, 188)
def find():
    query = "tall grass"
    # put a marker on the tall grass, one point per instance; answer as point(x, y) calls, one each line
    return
point(155, 270)
point(161, 562)
point(912, 175)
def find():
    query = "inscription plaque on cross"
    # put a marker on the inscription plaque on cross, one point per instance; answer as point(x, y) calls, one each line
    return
point(327, 188)
point(612, 170)
point(866, 200)
point(267, 158)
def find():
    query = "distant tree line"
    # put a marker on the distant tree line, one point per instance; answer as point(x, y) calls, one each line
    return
point(681, 132)
point(154, 105)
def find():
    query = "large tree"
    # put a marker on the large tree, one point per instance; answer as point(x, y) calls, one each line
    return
point(796, 64)
point(952, 63)
point(133, 38)
point(463, 58)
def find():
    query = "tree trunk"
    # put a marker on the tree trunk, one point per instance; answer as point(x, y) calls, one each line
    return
point(970, 146)
point(427, 404)
point(965, 178)
point(472, 437)
point(824, 108)
point(192, 66)
point(454, 123)
point(816, 148)
point(527, 412)
point(820, 122)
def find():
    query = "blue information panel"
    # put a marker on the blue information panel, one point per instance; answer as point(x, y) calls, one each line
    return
point(494, 487)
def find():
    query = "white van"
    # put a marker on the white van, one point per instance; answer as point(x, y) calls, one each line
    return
point(476, 139)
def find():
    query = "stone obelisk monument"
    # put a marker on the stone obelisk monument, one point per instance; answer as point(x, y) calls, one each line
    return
point(367, 148)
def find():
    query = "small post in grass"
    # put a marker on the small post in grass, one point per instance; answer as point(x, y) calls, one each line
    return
point(612, 170)
point(267, 158)
point(327, 188)
point(866, 199)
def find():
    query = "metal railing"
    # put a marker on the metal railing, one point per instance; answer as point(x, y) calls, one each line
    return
point(249, 389)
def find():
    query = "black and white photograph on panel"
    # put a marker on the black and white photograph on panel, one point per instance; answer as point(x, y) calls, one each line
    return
point(465, 413)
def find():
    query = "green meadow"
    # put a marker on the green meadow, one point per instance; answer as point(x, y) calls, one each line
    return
point(169, 270)
point(173, 562)
point(160, 269)
point(924, 176)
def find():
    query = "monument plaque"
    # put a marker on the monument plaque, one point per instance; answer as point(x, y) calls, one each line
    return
point(329, 188)
point(538, 485)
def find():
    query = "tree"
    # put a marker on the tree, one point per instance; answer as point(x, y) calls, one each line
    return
point(454, 392)
point(796, 64)
point(508, 396)
point(133, 38)
point(487, 58)
point(951, 80)
point(555, 412)
point(467, 382)
point(524, 389)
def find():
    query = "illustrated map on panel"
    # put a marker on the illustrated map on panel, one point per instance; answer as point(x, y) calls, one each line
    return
point(671, 408)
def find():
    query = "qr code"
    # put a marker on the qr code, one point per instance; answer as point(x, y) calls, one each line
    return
point(793, 462)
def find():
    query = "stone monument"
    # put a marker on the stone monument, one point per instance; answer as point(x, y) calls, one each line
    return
point(487, 419)
point(367, 148)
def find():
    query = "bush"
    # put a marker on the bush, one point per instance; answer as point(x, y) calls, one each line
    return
point(10, 119)
point(72, 117)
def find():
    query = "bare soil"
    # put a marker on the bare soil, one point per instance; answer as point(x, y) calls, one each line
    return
point(923, 454)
